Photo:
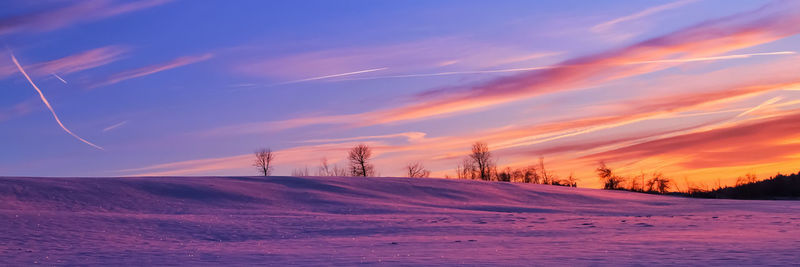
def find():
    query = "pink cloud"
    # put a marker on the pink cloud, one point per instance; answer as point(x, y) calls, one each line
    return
point(152, 69)
point(749, 143)
point(403, 57)
point(75, 12)
point(73, 63)
point(702, 41)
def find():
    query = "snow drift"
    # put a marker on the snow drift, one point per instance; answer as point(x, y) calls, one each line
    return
point(346, 221)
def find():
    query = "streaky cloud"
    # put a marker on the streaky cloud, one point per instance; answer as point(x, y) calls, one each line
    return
point(641, 14)
point(152, 69)
point(77, 12)
point(685, 60)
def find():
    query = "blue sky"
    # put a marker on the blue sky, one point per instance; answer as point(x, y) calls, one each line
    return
point(193, 87)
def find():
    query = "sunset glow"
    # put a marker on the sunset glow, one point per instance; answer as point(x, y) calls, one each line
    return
point(702, 91)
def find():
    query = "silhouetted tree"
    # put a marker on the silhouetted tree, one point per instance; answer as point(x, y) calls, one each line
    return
point(531, 175)
point(417, 170)
point(326, 169)
point(466, 169)
point(571, 181)
point(546, 177)
point(264, 159)
point(607, 177)
point(359, 157)
point(482, 160)
point(747, 179)
point(504, 175)
point(301, 172)
point(658, 183)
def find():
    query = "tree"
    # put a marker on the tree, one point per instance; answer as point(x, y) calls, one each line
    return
point(607, 177)
point(264, 159)
point(359, 157)
point(482, 159)
point(326, 169)
point(466, 169)
point(417, 170)
point(747, 179)
point(659, 183)
point(546, 177)
point(504, 175)
point(301, 172)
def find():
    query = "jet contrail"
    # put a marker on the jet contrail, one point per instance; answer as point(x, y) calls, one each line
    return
point(714, 58)
point(46, 103)
point(112, 127)
point(684, 60)
point(451, 73)
point(766, 103)
point(330, 76)
point(59, 78)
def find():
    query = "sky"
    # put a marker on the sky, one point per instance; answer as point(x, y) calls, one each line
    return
point(703, 91)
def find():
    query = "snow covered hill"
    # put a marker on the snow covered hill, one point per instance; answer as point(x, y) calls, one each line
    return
point(400, 221)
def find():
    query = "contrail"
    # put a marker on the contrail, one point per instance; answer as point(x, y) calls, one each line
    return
point(59, 78)
point(46, 103)
point(112, 127)
point(330, 76)
point(715, 58)
point(766, 103)
point(451, 73)
point(684, 60)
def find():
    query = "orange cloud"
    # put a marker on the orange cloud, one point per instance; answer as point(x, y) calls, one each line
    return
point(722, 147)
point(696, 43)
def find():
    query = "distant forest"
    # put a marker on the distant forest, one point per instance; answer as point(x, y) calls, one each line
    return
point(777, 187)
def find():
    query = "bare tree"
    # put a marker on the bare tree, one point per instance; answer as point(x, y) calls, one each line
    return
point(466, 169)
point(264, 159)
point(417, 170)
point(482, 159)
point(747, 179)
point(610, 181)
point(301, 172)
point(326, 169)
point(659, 183)
point(359, 157)
point(547, 178)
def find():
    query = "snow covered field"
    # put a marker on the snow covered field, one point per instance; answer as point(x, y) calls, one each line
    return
point(400, 221)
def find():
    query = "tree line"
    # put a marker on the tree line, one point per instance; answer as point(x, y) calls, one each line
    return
point(479, 164)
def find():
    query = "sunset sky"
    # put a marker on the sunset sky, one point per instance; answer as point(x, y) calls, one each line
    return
point(703, 91)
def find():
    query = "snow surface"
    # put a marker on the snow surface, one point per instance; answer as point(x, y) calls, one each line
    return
point(397, 221)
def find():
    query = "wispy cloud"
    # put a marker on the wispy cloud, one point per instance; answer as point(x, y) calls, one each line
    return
point(18, 109)
point(418, 55)
point(641, 14)
point(73, 63)
point(73, 13)
point(684, 60)
point(738, 144)
point(701, 42)
point(46, 103)
point(152, 69)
